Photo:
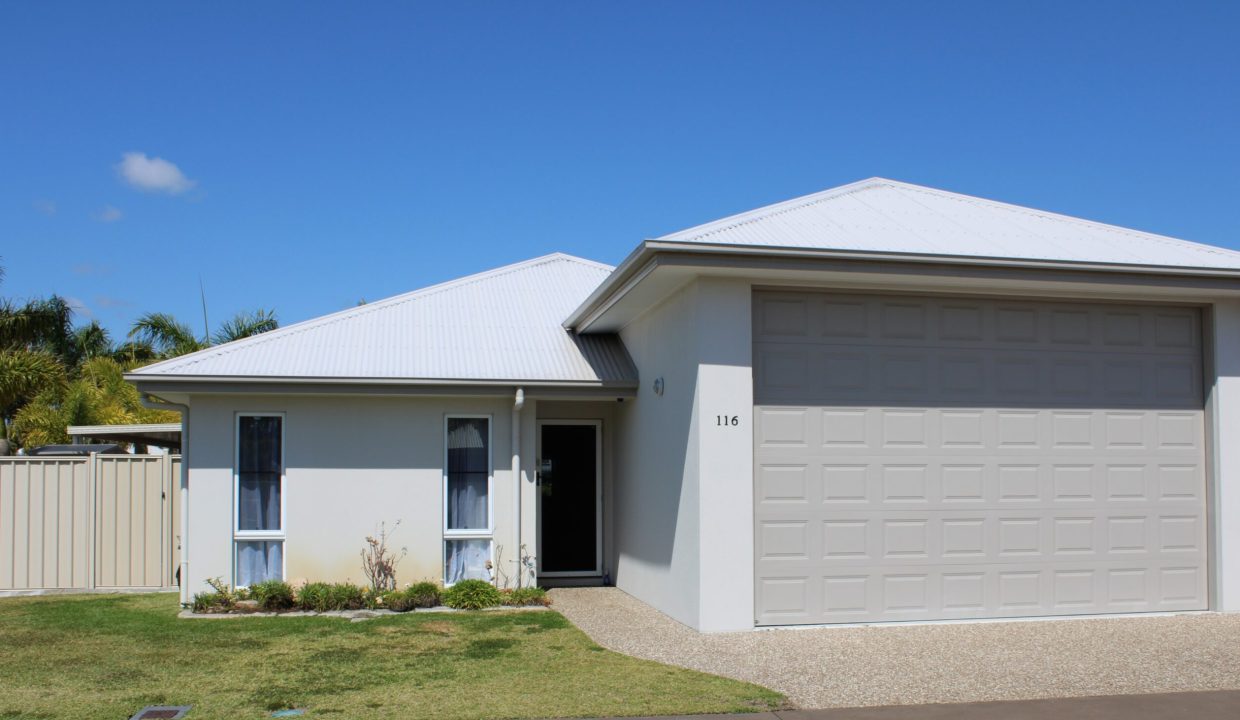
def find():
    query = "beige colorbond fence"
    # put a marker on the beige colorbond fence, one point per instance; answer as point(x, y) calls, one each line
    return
point(105, 522)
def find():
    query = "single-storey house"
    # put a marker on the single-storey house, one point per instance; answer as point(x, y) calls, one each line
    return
point(881, 402)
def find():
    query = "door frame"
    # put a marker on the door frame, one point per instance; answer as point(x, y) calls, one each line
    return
point(598, 498)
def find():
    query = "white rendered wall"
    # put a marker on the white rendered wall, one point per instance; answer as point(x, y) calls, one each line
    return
point(684, 487)
point(656, 490)
point(725, 453)
point(1225, 416)
point(350, 463)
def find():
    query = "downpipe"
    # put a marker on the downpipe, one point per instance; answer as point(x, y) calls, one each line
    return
point(518, 402)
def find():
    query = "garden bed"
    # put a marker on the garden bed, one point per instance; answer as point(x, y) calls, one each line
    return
point(355, 615)
point(275, 597)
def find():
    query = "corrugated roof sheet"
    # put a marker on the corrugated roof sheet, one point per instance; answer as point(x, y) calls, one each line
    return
point(885, 216)
point(502, 325)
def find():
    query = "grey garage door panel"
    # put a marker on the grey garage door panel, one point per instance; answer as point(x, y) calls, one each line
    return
point(876, 321)
point(978, 591)
point(1065, 476)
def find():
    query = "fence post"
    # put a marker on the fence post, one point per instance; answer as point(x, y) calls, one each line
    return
point(92, 535)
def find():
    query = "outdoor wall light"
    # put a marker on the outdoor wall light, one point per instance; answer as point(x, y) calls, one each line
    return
point(658, 386)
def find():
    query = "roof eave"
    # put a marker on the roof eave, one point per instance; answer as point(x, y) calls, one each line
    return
point(214, 383)
point(643, 260)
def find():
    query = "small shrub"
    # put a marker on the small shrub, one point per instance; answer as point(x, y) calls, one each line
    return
point(346, 596)
point(205, 602)
point(418, 595)
point(315, 597)
point(221, 598)
point(379, 563)
point(425, 594)
point(273, 595)
point(525, 596)
point(471, 595)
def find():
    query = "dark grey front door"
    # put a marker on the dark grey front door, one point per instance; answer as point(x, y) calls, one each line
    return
point(568, 486)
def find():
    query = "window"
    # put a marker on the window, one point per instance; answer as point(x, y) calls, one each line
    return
point(467, 499)
point(258, 533)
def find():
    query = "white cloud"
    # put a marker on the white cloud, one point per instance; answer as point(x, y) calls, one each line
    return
point(109, 214)
point(47, 207)
point(153, 174)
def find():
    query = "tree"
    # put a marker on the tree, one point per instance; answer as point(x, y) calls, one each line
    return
point(35, 351)
point(167, 337)
point(98, 395)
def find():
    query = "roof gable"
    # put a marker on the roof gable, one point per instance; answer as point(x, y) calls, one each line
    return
point(886, 216)
point(503, 325)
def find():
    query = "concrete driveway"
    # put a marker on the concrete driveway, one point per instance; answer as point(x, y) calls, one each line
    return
point(944, 663)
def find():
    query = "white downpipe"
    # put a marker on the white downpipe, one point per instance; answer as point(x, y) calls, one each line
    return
point(184, 410)
point(518, 402)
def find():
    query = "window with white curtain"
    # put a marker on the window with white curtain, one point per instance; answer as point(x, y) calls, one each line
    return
point(258, 533)
point(467, 499)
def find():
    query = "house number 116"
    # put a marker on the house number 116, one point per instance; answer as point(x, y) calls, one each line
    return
point(727, 420)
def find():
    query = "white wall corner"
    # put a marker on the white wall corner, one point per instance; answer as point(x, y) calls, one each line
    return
point(724, 409)
point(1224, 406)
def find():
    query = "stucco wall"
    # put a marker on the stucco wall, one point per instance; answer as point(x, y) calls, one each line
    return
point(351, 463)
point(1223, 412)
point(656, 490)
point(684, 498)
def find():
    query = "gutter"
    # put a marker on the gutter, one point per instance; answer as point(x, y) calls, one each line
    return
point(184, 481)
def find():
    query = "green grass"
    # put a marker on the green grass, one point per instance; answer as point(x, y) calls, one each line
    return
point(105, 656)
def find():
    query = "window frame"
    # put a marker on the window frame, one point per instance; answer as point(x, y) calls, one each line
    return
point(239, 535)
point(487, 533)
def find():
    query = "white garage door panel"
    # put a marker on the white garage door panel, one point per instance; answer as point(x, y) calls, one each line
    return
point(926, 482)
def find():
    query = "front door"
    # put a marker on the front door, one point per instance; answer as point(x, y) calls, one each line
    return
point(570, 499)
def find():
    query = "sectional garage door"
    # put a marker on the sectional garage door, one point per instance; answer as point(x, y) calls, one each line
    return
point(933, 458)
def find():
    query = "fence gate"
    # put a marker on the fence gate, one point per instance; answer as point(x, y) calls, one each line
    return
point(107, 522)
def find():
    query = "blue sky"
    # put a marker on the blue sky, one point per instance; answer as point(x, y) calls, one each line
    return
point(326, 152)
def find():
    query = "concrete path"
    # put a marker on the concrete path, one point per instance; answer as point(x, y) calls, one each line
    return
point(943, 663)
point(1223, 705)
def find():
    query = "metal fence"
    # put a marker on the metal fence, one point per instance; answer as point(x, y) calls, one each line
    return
point(101, 522)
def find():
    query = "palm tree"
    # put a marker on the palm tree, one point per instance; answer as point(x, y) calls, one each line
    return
point(98, 395)
point(35, 350)
point(167, 337)
point(244, 325)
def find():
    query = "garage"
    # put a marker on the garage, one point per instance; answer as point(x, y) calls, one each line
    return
point(922, 457)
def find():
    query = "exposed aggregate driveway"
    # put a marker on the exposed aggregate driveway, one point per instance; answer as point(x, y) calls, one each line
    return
point(943, 663)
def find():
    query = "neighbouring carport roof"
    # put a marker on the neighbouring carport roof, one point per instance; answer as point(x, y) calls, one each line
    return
point(162, 434)
point(886, 220)
point(496, 327)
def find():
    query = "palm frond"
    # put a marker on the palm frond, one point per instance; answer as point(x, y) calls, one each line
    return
point(25, 374)
point(166, 334)
point(245, 325)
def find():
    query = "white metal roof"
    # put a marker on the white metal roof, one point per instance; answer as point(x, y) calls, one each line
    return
point(885, 216)
point(500, 326)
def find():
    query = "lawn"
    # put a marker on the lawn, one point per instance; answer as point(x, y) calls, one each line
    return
point(105, 656)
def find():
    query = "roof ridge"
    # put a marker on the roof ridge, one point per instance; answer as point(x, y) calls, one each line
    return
point(766, 212)
point(361, 310)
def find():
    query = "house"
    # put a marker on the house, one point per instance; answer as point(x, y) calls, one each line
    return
point(881, 402)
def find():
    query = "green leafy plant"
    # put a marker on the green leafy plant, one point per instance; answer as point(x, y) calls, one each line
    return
point(205, 602)
point(423, 594)
point(315, 597)
point(327, 597)
point(273, 595)
point(471, 595)
point(525, 596)
point(346, 596)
